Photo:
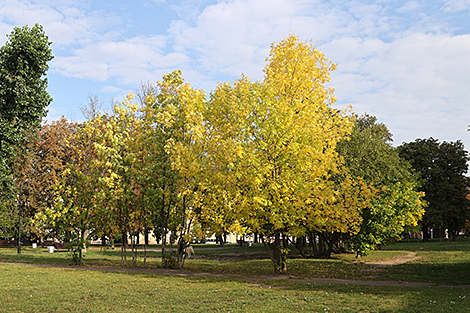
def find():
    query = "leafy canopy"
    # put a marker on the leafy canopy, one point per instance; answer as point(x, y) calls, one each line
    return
point(23, 95)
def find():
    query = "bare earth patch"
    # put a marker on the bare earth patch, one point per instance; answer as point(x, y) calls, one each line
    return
point(393, 261)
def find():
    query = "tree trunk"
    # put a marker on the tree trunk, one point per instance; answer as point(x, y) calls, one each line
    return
point(123, 248)
point(163, 215)
point(454, 235)
point(313, 243)
point(146, 234)
point(134, 249)
point(146, 243)
point(280, 266)
point(300, 244)
point(425, 233)
point(330, 242)
point(220, 238)
point(321, 246)
point(84, 239)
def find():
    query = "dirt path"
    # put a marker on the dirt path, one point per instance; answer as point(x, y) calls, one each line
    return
point(394, 261)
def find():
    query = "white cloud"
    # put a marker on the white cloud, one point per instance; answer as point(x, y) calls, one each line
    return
point(65, 22)
point(234, 37)
point(408, 7)
point(456, 5)
point(417, 84)
point(405, 70)
point(111, 89)
point(398, 60)
point(127, 61)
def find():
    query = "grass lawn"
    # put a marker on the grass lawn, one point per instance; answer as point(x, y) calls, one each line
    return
point(36, 289)
point(230, 259)
point(443, 262)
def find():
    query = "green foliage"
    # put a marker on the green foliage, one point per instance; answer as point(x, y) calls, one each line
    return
point(169, 261)
point(397, 205)
point(442, 167)
point(75, 250)
point(23, 95)
point(8, 220)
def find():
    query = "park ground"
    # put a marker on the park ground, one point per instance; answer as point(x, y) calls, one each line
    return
point(403, 277)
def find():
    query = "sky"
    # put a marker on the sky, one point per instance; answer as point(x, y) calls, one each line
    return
point(405, 62)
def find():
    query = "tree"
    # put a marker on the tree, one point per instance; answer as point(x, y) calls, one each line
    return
point(98, 192)
point(283, 134)
point(41, 164)
point(178, 116)
point(368, 154)
point(118, 156)
point(23, 95)
point(93, 107)
point(442, 167)
point(71, 215)
point(8, 218)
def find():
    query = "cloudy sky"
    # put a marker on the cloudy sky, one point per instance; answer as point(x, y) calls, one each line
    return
point(406, 62)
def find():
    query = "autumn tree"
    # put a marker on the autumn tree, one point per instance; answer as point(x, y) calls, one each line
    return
point(72, 213)
point(285, 134)
point(442, 167)
point(158, 178)
point(117, 161)
point(39, 166)
point(178, 116)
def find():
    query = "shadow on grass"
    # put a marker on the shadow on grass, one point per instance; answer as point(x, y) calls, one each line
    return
point(439, 273)
point(462, 244)
point(394, 299)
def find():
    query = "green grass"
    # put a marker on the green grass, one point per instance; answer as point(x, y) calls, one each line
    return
point(33, 289)
point(37, 289)
point(227, 260)
point(441, 263)
point(296, 267)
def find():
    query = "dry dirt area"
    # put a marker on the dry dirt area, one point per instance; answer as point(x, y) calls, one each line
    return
point(394, 261)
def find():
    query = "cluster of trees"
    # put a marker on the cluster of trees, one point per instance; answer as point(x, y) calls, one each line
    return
point(271, 157)
point(442, 168)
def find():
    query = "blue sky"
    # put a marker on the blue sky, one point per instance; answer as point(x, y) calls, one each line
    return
point(406, 62)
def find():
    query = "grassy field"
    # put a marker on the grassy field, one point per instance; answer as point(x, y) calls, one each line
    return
point(37, 289)
point(443, 262)
point(33, 289)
